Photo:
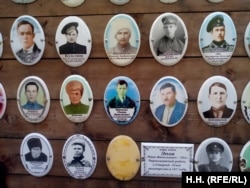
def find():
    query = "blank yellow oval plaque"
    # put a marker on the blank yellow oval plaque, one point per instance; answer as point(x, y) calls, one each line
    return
point(123, 158)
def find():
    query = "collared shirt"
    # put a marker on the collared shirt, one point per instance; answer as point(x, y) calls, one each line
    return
point(118, 49)
point(222, 47)
point(32, 106)
point(167, 46)
point(167, 113)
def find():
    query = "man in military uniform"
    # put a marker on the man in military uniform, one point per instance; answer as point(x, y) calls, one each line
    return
point(75, 91)
point(26, 35)
point(78, 157)
point(71, 47)
point(169, 44)
point(214, 152)
point(216, 28)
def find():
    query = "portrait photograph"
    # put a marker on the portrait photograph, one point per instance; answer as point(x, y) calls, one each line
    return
point(73, 41)
point(217, 101)
point(245, 103)
point(36, 154)
point(213, 155)
point(168, 101)
point(244, 160)
point(33, 99)
point(122, 100)
point(217, 38)
point(168, 39)
point(3, 101)
point(27, 40)
point(247, 39)
point(122, 39)
point(76, 98)
point(79, 156)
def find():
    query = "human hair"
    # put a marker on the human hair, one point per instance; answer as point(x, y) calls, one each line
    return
point(74, 85)
point(33, 84)
point(122, 82)
point(80, 144)
point(24, 22)
point(165, 85)
point(219, 84)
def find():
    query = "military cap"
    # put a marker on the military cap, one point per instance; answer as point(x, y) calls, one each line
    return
point(169, 20)
point(34, 142)
point(214, 146)
point(69, 26)
point(216, 21)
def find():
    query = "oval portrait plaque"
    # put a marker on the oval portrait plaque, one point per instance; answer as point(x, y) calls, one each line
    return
point(168, 101)
point(119, 2)
point(245, 102)
point(72, 3)
point(122, 100)
point(168, 39)
point(79, 156)
point(73, 41)
point(244, 161)
point(123, 158)
point(3, 101)
point(23, 1)
point(122, 39)
point(217, 38)
point(217, 101)
point(76, 98)
point(33, 99)
point(36, 154)
point(27, 40)
point(213, 155)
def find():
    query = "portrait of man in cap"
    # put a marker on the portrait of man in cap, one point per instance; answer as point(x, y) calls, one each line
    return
point(216, 28)
point(71, 46)
point(169, 44)
point(30, 51)
point(35, 154)
point(214, 152)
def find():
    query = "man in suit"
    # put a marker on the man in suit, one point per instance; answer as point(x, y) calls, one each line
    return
point(216, 28)
point(214, 152)
point(71, 47)
point(171, 111)
point(217, 96)
point(35, 154)
point(30, 51)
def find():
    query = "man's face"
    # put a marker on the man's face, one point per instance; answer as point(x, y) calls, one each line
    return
point(218, 33)
point(78, 150)
point(122, 36)
point(218, 97)
point(121, 90)
point(26, 36)
point(71, 36)
point(31, 93)
point(75, 96)
point(35, 152)
point(168, 96)
point(214, 156)
point(170, 30)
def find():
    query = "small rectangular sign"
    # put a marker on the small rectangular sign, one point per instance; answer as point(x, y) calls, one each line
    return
point(166, 159)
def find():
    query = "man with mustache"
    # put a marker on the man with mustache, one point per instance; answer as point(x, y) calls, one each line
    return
point(171, 111)
point(123, 45)
point(216, 28)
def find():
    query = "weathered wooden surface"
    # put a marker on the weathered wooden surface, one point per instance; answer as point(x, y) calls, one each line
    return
point(192, 70)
